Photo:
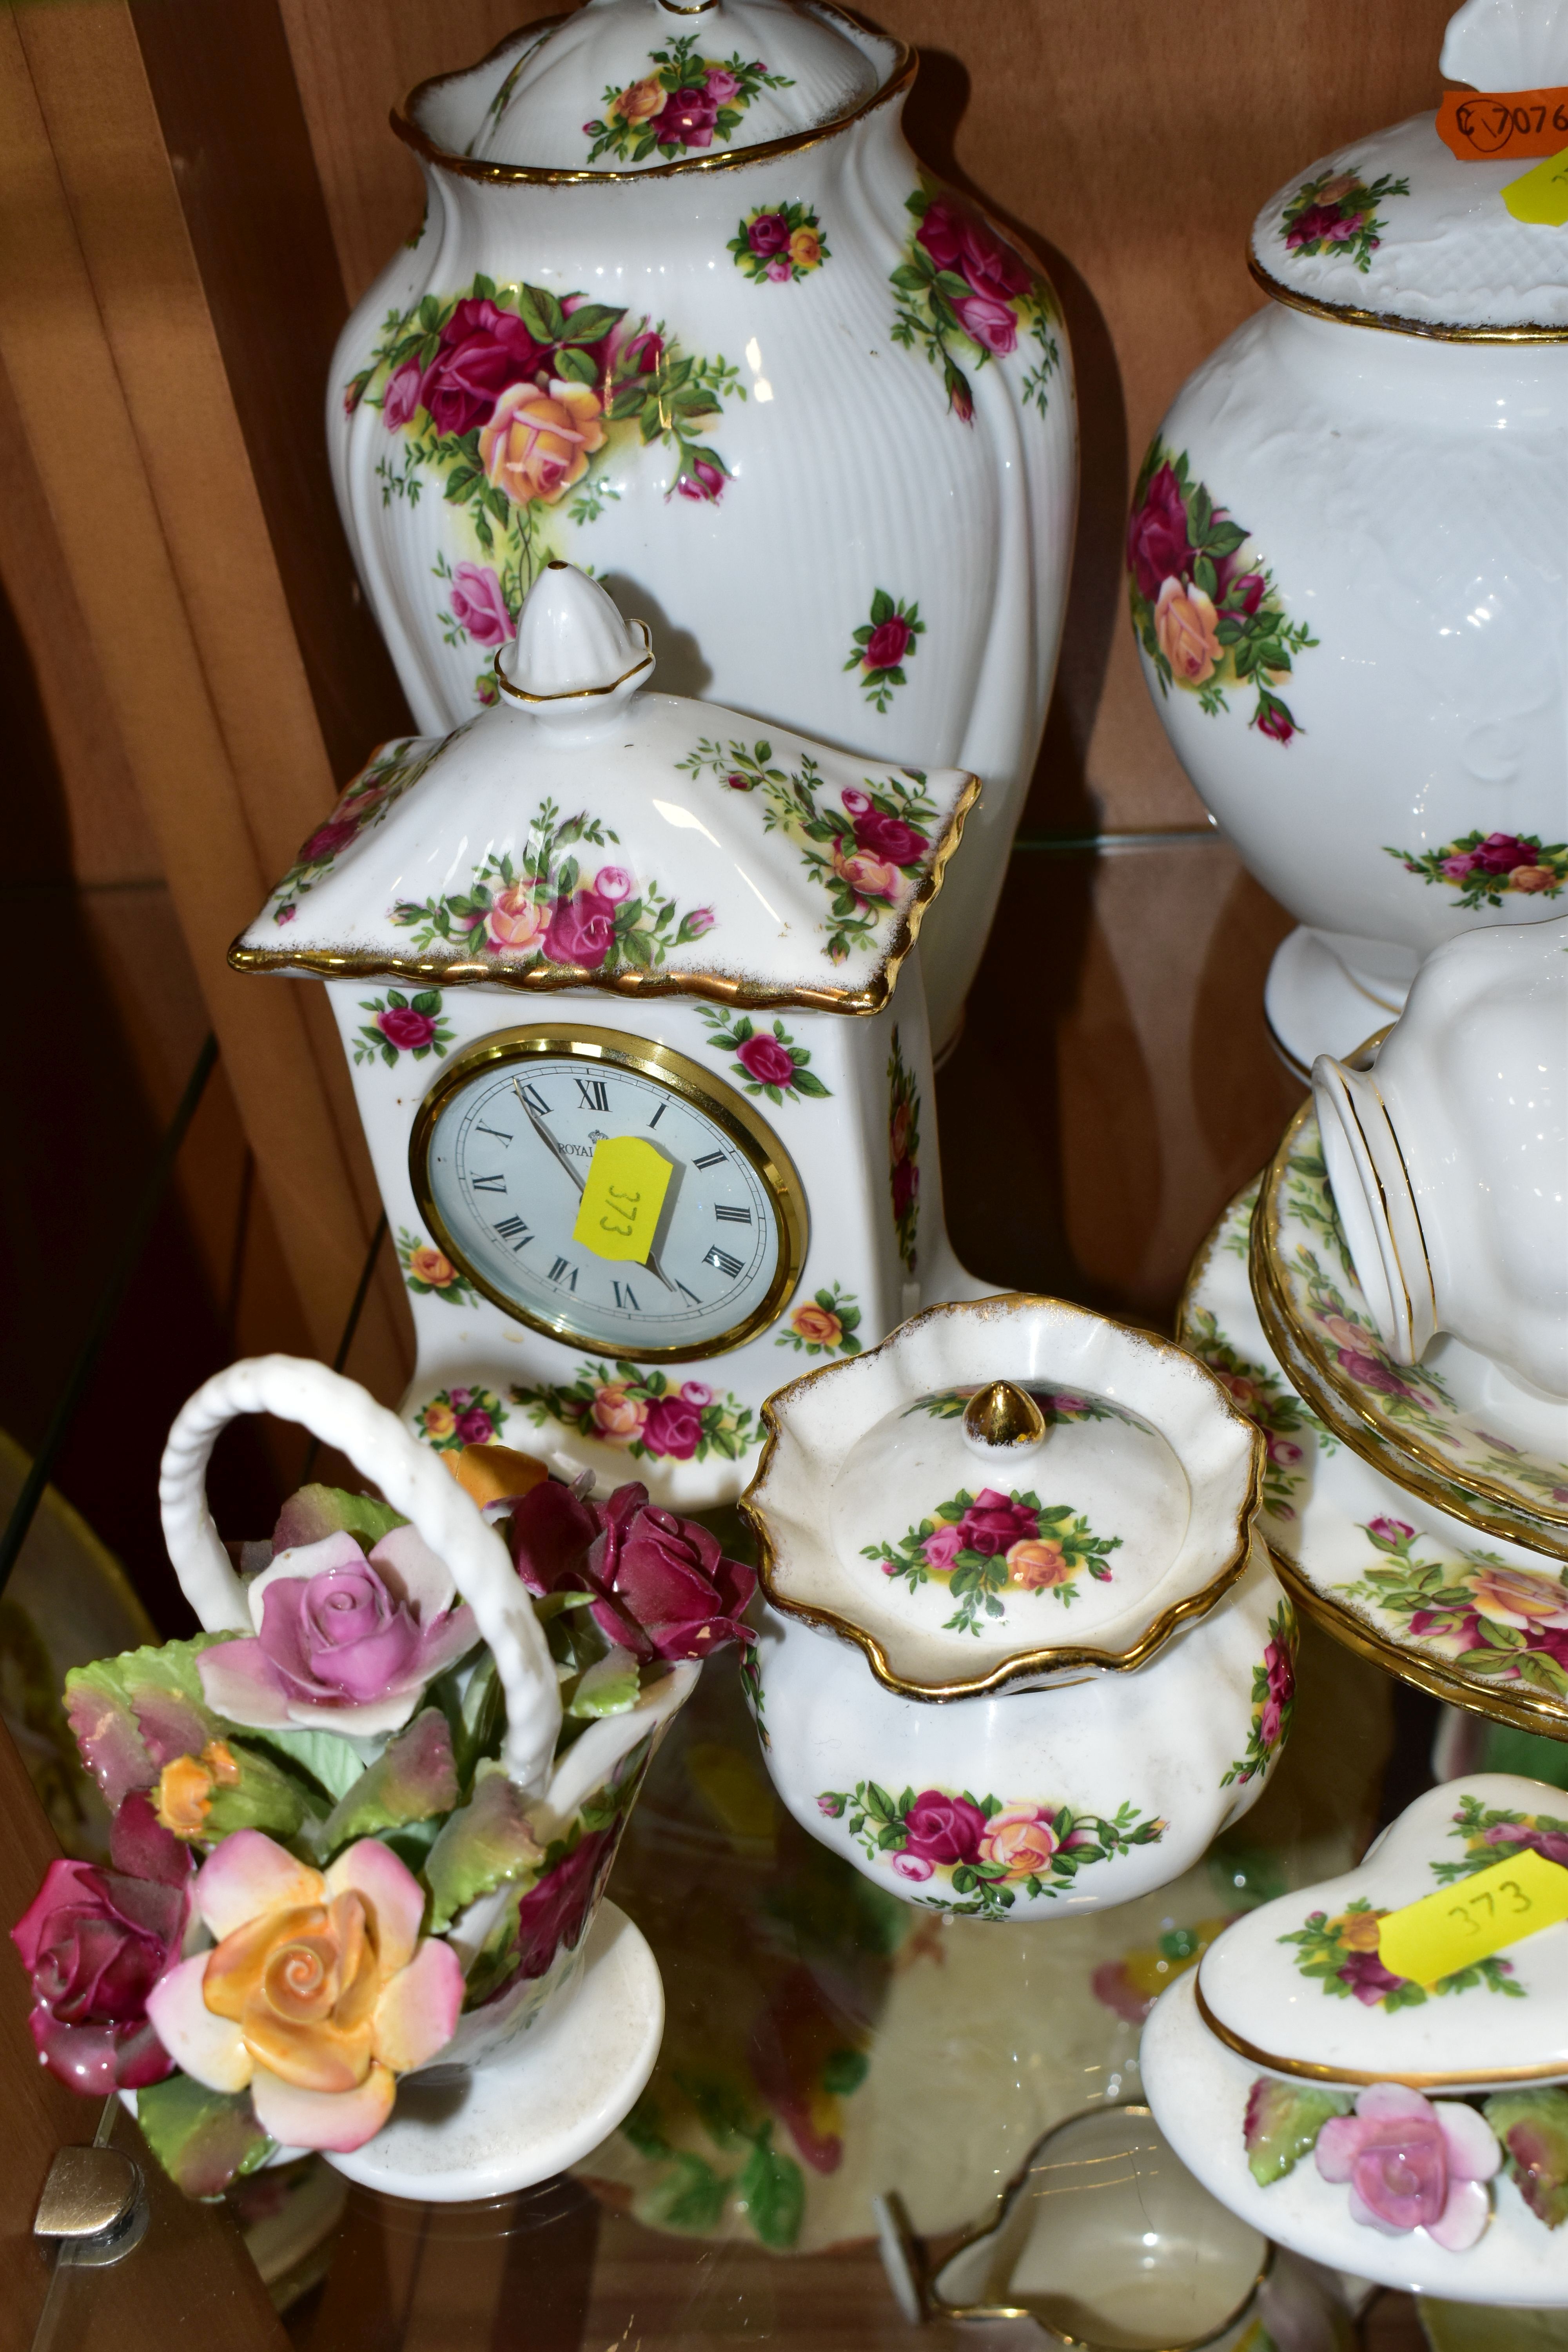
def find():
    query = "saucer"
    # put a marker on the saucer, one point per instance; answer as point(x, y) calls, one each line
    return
point(528, 2113)
point(1453, 1427)
point(1199, 2089)
point(1366, 1556)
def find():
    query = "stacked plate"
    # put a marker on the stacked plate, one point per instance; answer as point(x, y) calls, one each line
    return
point(1420, 1513)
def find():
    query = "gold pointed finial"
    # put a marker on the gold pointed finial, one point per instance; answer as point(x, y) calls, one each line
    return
point(1002, 1414)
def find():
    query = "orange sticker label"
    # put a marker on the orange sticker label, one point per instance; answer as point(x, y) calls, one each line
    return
point(1476, 124)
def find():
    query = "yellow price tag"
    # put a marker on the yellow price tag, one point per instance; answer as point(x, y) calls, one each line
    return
point(1473, 1917)
point(618, 1214)
point(1541, 196)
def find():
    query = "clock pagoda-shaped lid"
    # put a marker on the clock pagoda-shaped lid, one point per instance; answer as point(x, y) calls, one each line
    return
point(645, 85)
point(586, 832)
point(1425, 227)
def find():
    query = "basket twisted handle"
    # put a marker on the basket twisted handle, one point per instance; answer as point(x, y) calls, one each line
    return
point(340, 1413)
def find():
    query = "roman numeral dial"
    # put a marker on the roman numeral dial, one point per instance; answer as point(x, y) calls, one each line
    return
point(516, 1169)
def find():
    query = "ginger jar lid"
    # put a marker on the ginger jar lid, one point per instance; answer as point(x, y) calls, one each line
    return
point(583, 832)
point(647, 85)
point(1002, 1493)
point(1399, 230)
point(1304, 1985)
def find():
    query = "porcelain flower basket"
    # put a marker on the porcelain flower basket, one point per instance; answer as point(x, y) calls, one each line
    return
point(1348, 551)
point(685, 310)
point(1025, 1655)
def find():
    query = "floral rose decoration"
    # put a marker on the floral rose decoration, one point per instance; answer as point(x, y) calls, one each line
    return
point(1413, 2164)
point(1186, 626)
point(817, 1324)
point(95, 1942)
point(582, 930)
point(994, 1524)
point(318, 1992)
point(663, 1587)
point(343, 1642)
point(1279, 1668)
point(1038, 1563)
point(1157, 545)
point(483, 351)
point(702, 479)
point(771, 1063)
point(616, 1417)
point(768, 234)
point(1551, 1843)
point(538, 442)
point(938, 1829)
point(673, 1428)
point(1020, 1840)
point(479, 605)
point(404, 1028)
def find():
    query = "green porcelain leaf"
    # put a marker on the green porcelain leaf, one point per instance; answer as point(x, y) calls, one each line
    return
point(203, 2139)
point(414, 1780)
point(132, 1714)
point(1283, 2120)
point(491, 1842)
point(1534, 2128)
point(317, 1511)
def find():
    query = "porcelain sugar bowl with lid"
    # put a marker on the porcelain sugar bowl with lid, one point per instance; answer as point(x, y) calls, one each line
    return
point(1371, 2069)
point(640, 1043)
point(685, 310)
point(1023, 1652)
point(1348, 552)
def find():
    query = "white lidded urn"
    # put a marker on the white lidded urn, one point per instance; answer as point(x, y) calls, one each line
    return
point(1348, 552)
point(685, 310)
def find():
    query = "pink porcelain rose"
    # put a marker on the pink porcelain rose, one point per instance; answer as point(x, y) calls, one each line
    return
point(342, 1642)
point(1413, 2164)
point(319, 1991)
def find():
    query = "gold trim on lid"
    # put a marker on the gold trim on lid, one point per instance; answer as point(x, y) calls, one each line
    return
point(719, 988)
point(1019, 1664)
point(1346, 314)
point(405, 123)
point(1004, 1415)
point(1306, 2071)
point(575, 693)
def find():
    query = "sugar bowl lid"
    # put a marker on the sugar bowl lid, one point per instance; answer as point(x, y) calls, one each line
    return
point(585, 831)
point(650, 85)
point(1327, 1983)
point(1003, 1493)
point(1422, 228)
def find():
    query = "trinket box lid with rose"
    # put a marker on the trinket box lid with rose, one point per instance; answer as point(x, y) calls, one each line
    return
point(649, 87)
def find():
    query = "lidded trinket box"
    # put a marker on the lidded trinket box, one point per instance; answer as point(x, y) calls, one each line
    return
point(685, 309)
point(1371, 2070)
point(616, 973)
point(1012, 1573)
point(1346, 556)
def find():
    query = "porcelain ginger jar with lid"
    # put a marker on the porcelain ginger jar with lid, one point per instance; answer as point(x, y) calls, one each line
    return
point(1348, 551)
point(685, 309)
point(616, 973)
point(1371, 2069)
point(1024, 1654)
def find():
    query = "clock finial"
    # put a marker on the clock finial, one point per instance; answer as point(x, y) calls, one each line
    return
point(573, 648)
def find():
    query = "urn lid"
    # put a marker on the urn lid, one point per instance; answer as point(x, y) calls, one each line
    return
point(1002, 1493)
point(1317, 1984)
point(583, 832)
point(647, 85)
point(1398, 230)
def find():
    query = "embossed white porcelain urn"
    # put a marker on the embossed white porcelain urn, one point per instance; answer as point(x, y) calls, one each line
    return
point(685, 310)
point(618, 980)
point(1348, 552)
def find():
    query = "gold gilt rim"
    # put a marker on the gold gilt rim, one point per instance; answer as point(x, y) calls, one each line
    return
point(1463, 1494)
point(719, 988)
point(405, 124)
point(575, 693)
point(938, 2308)
point(1346, 314)
point(1526, 1710)
point(1304, 2068)
point(1020, 1664)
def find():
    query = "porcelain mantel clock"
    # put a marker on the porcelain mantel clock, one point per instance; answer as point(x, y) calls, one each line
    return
point(616, 974)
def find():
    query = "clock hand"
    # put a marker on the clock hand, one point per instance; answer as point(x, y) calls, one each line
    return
point(552, 1146)
point(546, 1137)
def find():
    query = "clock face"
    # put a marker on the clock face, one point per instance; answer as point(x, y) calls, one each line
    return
point(508, 1139)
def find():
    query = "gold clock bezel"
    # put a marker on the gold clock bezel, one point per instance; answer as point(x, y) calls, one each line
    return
point(699, 1088)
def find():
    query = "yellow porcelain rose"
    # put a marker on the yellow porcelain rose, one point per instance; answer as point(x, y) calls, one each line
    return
point(1037, 1564)
point(537, 441)
point(816, 1324)
point(639, 102)
point(805, 249)
point(318, 1993)
point(1517, 1596)
point(618, 1417)
point(1187, 628)
point(431, 1267)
